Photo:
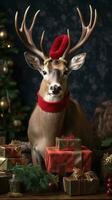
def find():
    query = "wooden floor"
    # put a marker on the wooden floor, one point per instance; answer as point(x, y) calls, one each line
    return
point(56, 197)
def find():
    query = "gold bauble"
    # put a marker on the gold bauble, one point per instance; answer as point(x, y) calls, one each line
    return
point(3, 34)
point(10, 63)
point(8, 44)
point(17, 123)
point(5, 69)
point(4, 104)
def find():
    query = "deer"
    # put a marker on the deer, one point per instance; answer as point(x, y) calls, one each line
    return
point(46, 123)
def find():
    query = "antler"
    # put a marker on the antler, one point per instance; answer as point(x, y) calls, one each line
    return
point(25, 34)
point(86, 30)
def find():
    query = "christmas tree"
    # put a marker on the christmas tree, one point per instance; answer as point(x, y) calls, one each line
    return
point(12, 112)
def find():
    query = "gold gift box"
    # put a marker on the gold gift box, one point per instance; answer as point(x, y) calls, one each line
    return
point(3, 164)
point(80, 184)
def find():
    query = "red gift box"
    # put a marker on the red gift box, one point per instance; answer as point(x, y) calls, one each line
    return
point(10, 151)
point(60, 161)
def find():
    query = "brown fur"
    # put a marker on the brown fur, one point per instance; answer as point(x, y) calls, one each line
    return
point(44, 127)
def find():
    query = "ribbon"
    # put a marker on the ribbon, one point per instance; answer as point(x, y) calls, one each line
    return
point(79, 174)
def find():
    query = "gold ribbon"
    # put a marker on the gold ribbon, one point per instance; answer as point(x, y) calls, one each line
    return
point(79, 174)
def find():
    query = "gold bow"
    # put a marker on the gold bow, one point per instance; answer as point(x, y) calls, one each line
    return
point(80, 174)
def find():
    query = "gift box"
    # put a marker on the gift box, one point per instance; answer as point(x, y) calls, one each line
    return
point(21, 144)
point(68, 143)
point(3, 164)
point(2, 140)
point(10, 151)
point(60, 161)
point(4, 182)
point(85, 183)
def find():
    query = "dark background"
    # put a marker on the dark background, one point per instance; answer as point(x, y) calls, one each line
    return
point(90, 85)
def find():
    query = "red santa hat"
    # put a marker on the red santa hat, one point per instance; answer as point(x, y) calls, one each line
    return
point(59, 46)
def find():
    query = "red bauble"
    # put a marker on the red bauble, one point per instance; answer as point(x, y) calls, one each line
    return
point(109, 180)
point(109, 192)
point(109, 185)
point(50, 184)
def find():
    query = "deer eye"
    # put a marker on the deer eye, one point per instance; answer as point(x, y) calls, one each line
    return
point(44, 72)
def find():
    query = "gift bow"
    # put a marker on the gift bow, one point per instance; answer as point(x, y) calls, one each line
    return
point(80, 174)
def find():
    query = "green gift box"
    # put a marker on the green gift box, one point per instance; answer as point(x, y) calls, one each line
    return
point(88, 183)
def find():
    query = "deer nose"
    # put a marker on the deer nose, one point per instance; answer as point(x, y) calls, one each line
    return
point(55, 89)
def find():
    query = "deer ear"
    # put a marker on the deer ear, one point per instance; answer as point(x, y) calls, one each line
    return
point(33, 61)
point(77, 61)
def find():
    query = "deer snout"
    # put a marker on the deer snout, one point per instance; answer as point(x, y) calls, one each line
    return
point(55, 88)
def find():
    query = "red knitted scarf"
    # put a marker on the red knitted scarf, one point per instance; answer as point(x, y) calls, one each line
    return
point(53, 107)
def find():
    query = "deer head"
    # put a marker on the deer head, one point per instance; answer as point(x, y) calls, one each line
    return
point(54, 71)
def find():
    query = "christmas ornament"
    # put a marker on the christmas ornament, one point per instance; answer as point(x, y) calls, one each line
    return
point(5, 69)
point(10, 63)
point(1, 115)
point(3, 33)
point(4, 104)
point(107, 172)
point(109, 186)
point(7, 44)
point(17, 123)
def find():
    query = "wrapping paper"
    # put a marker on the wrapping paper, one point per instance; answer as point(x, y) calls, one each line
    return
point(3, 164)
point(60, 161)
point(10, 151)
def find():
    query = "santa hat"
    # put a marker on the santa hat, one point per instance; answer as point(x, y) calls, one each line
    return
point(59, 46)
